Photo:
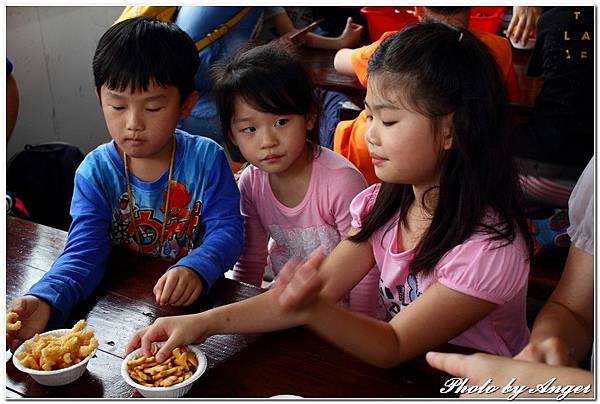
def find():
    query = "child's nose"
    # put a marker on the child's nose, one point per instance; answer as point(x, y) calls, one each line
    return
point(269, 139)
point(135, 121)
point(371, 134)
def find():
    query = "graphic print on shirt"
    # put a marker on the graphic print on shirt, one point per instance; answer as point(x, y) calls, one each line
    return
point(298, 242)
point(405, 294)
point(180, 231)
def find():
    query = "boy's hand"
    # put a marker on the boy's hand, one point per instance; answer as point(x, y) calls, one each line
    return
point(180, 286)
point(33, 313)
point(176, 330)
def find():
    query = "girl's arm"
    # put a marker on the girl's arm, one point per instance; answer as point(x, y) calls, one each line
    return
point(260, 313)
point(256, 314)
point(436, 317)
point(250, 267)
point(563, 330)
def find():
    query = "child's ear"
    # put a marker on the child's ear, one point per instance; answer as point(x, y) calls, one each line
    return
point(447, 131)
point(232, 138)
point(188, 104)
point(310, 121)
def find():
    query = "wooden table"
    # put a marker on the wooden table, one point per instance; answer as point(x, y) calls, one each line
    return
point(294, 361)
point(320, 63)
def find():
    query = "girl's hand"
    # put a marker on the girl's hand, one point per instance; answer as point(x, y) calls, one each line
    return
point(298, 284)
point(552, 351)
point(176, 330)
point(351, 34)
point(522, 24)
point(180, 286)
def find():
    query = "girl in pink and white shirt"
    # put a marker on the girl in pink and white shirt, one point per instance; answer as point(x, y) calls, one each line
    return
point(445, 226)
point(295, 195)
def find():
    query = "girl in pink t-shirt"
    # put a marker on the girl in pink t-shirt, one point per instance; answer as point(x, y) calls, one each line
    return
point(295, 195)
point(445, 226)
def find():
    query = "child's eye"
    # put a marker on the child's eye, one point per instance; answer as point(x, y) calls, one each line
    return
point(249, 129)
point(117, 108)
point(153, 109)
point(388, 123)
point(281, 122)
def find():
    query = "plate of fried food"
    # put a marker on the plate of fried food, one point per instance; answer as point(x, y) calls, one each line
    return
point(170, 379)
point(57, 357)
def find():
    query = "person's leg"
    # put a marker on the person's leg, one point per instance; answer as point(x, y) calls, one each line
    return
point(547, 188)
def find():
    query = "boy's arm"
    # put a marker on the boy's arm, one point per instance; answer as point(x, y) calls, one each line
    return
point(222, 223)
point(80, 267)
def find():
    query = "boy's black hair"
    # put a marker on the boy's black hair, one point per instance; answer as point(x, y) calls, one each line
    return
point(139, 50)
point(435, 69)
point(271, 79)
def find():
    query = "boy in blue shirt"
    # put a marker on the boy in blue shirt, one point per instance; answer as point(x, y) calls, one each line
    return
point(154, 189)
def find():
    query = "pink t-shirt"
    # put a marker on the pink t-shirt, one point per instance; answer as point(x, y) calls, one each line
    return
point(274, 233)
point(476, 268)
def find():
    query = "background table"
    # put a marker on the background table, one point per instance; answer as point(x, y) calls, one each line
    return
point(294, 361)
point(320, 63)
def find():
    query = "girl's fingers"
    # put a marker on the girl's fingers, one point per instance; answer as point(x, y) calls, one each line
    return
point(287, 272)
point(134, 342)
point(453, 364)
point(165, 351)
point(153, 333)
point(305, 284)
point(317, 257)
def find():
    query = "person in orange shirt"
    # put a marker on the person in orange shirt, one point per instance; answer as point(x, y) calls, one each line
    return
point(349, 138)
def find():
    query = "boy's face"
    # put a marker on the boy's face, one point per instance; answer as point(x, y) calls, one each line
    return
point(142, 123)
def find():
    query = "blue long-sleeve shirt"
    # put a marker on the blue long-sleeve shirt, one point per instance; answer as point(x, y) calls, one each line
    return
point(203, 232)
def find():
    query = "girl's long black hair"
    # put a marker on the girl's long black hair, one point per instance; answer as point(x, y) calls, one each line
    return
point(441, 70)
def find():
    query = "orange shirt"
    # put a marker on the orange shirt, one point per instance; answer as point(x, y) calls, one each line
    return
point(349, 138)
